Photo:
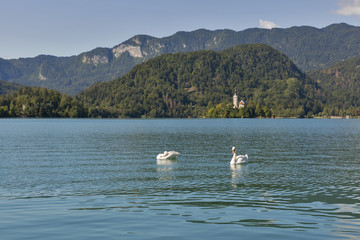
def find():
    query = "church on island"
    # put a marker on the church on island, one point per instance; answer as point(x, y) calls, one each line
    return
point(236, 102)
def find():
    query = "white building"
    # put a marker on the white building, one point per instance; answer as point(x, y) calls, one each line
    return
point(236, 102)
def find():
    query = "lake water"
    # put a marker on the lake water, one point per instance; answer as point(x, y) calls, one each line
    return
point(99, 179)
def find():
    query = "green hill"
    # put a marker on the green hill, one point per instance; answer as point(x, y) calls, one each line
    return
point(192, 84)
point(40, 102)
point(341, 87)
point(308, 47)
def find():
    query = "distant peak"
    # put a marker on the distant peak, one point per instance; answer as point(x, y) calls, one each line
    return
point(339, 25)
point(138, 40)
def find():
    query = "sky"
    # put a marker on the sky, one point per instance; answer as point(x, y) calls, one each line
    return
point(29, 28)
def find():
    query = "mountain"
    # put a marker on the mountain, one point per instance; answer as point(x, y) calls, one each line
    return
point(308, 47)
point(341, 87)
point(190, 84)
point(66, 74)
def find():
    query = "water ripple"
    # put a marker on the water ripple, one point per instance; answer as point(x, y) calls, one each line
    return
point(300, 180)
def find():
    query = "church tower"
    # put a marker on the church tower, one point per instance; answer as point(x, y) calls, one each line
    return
point(235, 100)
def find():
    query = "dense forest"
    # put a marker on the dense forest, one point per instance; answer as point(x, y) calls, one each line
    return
point(40, 102)
point(341, 87)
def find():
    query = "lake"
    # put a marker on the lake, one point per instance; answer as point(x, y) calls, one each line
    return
point(99, 179)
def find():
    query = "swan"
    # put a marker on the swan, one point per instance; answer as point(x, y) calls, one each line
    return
point(167, 155)
point(238, 159)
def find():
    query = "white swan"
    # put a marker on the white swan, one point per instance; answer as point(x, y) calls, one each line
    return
point(238, 159)
point(167, 155)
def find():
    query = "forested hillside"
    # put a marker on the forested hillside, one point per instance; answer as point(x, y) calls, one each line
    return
point(193, 84)
point(40, 102)
point(201, 84)
point(6, 87)
point(341, 87)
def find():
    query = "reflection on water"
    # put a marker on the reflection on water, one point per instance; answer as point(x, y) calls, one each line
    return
point(165, 169)
point(166, 162)
point(238, 174)
point(302, 181)
point(345, 226)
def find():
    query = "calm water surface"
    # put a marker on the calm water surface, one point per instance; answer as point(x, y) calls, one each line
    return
point(99, 179)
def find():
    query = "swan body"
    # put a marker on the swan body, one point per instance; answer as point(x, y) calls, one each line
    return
point(167, 155)
point(239, 159)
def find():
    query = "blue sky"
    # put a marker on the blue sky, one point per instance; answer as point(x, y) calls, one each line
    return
point(69, 27)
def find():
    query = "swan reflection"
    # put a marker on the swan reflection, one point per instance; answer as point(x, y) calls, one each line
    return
point(166, 162)
point(165, 169)
point(238, 174)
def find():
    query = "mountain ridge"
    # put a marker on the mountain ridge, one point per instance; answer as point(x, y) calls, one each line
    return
point(309, 47)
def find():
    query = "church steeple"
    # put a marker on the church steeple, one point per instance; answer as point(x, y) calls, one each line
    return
point(235, 100)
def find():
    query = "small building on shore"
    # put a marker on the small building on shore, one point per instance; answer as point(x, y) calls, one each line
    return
point(236, 102)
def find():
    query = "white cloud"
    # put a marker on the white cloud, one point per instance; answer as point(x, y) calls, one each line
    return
point(267, 24)
point(349, 7)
